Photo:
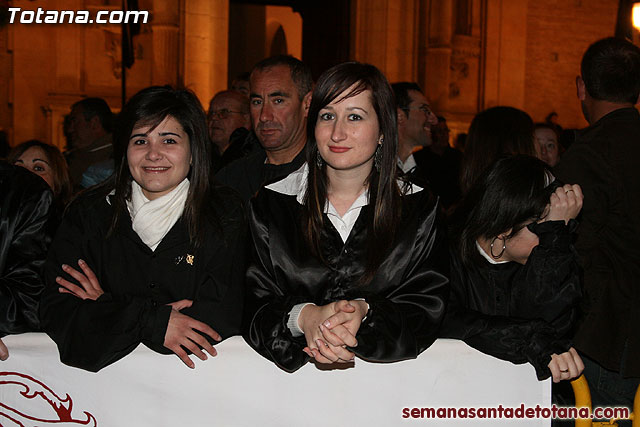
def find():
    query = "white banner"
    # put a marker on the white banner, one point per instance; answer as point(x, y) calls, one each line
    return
point(240, 388)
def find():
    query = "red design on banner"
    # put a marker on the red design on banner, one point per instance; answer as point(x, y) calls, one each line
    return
point(35, 392)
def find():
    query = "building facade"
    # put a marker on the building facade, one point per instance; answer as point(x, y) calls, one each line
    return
point(468, 55)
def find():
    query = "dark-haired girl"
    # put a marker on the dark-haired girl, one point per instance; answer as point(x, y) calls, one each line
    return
point(515, 282)
point(155, 254)
point(347, 260)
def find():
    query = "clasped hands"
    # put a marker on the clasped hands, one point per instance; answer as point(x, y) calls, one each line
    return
point(183, 332)
point(331, 328)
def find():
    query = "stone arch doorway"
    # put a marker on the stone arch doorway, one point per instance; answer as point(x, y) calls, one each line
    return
point(317, 33)
point(278, 45)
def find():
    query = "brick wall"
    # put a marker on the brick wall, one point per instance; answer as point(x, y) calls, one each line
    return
point(558, 33)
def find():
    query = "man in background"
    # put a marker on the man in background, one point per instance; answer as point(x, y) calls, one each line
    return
point(415, 120)
point(229, 123)
point(440, 164)
point(417, 127)
point(89, 128)
point(279, 102)
point(604, 161)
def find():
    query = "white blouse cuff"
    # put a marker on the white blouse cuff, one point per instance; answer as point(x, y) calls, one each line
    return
point(294, 314)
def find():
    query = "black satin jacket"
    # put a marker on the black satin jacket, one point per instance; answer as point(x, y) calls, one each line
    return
point(25, 235)
point(407, 295)
point(515, 312)
point(138, 283)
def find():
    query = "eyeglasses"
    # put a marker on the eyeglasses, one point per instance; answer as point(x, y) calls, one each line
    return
point(423, 108)
point(223, 113)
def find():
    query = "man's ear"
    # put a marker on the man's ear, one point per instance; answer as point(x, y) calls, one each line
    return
point(402, 118)
point(306, 102)
point(581, 88)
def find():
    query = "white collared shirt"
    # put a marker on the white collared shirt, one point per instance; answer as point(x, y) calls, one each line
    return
point(486, 255)
point(295, 184)
point(408, 165)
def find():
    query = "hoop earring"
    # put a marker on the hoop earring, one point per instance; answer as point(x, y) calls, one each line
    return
point(377, 158)
point(319, 161)
point(504, 246)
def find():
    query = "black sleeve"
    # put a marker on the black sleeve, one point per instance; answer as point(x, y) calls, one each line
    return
point(93, 334)
point(219, 298)
point(508, 338)
point(268, 302)
point(547, 307)
point(404, 321)
point(26, 236)
point(582, 165)
point(553, 278)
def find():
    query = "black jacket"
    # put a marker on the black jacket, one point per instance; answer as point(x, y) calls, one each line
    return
point(515, 312)
point(604, 161)
point(248, 174)
point(242, 142)
point(440, 173)
point(406, 296)
point(138, 283)
point(25, 200)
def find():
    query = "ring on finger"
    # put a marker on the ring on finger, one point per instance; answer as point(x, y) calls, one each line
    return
point(567, 192)
point(564, 371)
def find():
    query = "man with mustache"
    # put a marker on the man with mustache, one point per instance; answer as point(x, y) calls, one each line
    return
point(280, 93)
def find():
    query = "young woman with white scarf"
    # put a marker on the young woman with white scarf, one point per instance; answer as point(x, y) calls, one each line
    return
point(154, 255)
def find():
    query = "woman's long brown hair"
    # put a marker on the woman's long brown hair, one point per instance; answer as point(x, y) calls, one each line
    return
point(384, 193)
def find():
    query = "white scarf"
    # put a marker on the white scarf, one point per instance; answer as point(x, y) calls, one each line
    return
point(152, 219)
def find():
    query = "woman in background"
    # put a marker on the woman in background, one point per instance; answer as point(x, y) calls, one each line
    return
point(548, 148)
point(494, 133)
point(47, 162)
